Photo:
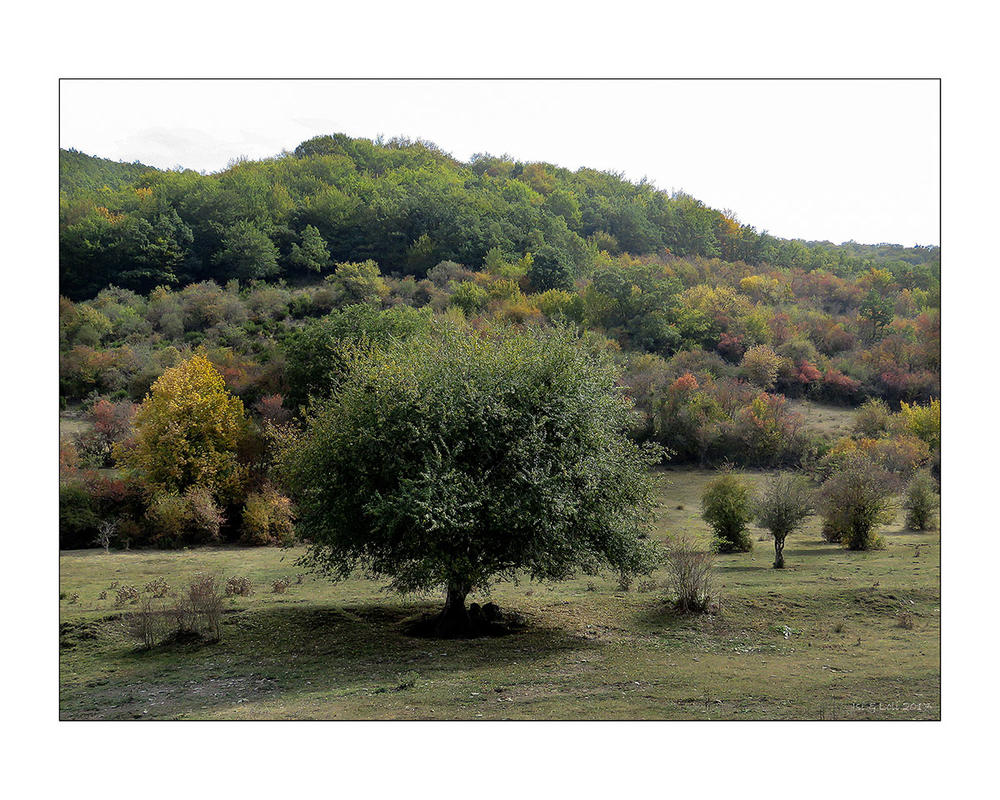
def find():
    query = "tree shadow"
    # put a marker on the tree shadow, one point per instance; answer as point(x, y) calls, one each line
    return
point(383, 633)
point(814, 551)
point(743, 567)
point(285, 652)
point(665, 617)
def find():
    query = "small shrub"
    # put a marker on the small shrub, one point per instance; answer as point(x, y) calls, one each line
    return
point(239, 586)
point(760, 366)
point(191, 518)
point(126, 594)
point(167, 517)
point(197, 613)
point(727, 506)
point(280, 586)
point(854, 501)
point(267, 519)
point(833, 528)
point(158, 587)
point(902, 454)
point(146, 625)
point(469, 297)
point(271, 409)
point(766, 433)
point(920, 502)
point(872, 419)
point(690, 574)
point(199, 610)
point(923, 422)
point(203, 516)
point(102, 596)
point(905, 620)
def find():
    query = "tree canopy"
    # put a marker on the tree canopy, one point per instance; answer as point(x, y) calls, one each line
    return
point(186, 432)
point(404, 204)
point(451, 460)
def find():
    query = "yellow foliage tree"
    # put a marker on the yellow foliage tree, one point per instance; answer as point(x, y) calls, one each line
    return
point(186, 432)
point(923, 421)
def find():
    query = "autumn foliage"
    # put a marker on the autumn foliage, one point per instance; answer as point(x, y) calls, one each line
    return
point(186, 432)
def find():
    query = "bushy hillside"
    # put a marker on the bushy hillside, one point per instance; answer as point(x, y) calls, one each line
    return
point(275, 270)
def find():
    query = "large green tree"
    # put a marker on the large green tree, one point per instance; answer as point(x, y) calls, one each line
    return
point(452, 460)
point(317, 355)
point(312, 255)
point(550, 269)
point(247, 252)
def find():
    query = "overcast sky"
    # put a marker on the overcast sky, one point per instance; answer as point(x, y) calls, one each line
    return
point(833, 160)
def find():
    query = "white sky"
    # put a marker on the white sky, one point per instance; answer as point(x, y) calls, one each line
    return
point(832, 160)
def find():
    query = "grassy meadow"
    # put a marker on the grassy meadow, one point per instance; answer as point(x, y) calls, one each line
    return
point(835, 635)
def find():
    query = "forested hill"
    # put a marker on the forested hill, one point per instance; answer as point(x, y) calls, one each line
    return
point(408, 206)
point(82, 174)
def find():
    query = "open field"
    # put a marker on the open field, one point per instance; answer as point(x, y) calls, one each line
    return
point(822, 639)
point(822, 418)
point(72, 423)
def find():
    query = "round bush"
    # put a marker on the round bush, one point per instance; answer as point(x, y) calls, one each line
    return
point(727, 506)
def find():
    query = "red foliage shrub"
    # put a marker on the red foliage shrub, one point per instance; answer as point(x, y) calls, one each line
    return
point(684, 384)
point(782, 329)
point(113, 420)
point(69, 459)
point(731, 347)
point(838, 387)
point(271, 409)
point(901, 386)
point(807, 373)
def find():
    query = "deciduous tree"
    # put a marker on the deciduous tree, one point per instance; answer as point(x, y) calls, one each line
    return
point(454, 460)
point(784, 505)
point(855, 501)
point(186, 432)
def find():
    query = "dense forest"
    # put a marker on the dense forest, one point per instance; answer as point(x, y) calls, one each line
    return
point(407, 206)
point(271, 269)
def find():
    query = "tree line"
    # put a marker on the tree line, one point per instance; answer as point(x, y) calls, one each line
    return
point(404, 204)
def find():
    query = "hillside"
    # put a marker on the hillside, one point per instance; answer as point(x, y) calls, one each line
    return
point(271, 267)
point(81, 174)
point(408, 206)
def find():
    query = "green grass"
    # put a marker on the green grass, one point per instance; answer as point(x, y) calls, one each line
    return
point(828, 420)
point(819, 640)
point(72, 423)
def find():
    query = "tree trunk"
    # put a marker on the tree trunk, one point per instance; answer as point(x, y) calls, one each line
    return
point(454, 618)
point(779, 555)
